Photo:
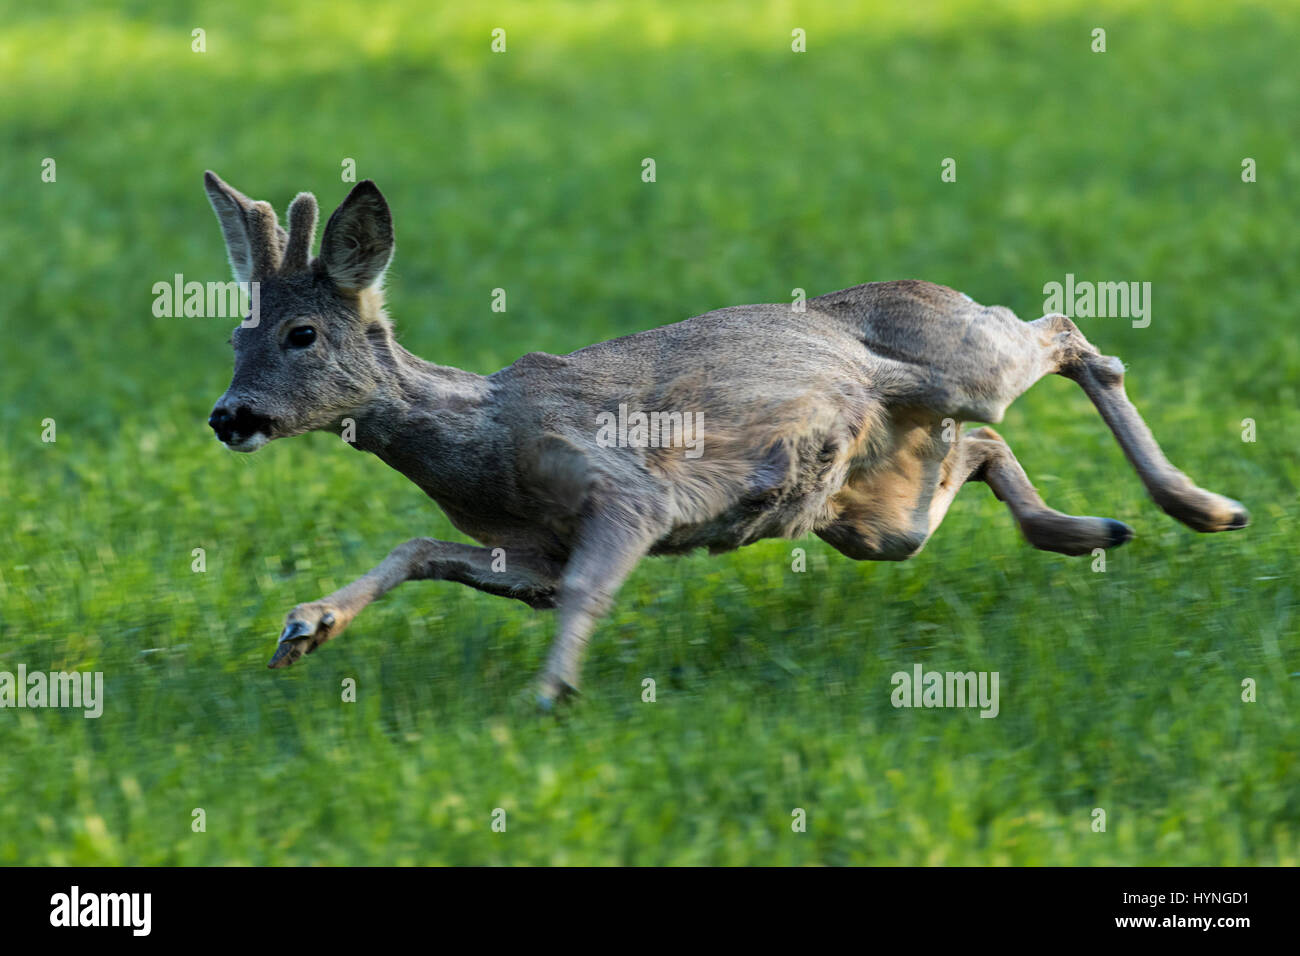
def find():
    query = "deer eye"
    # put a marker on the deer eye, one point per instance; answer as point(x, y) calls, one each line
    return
point(302, 336)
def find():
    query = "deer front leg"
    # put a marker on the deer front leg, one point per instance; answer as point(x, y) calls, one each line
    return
point(518, 575)
point(609, 547)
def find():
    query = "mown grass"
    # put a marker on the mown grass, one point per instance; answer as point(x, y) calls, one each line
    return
point(1120, 690)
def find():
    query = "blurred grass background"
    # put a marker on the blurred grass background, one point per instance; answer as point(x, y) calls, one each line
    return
point(1120, 690)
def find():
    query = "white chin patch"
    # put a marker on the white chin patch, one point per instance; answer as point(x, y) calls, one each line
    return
point(252, 443)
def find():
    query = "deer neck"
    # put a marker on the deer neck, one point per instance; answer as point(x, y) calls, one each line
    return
point(426, 421)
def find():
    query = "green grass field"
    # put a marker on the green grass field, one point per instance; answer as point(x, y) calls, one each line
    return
point(1120, 690)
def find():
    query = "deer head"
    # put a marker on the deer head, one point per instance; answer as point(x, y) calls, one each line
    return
point(316, 349)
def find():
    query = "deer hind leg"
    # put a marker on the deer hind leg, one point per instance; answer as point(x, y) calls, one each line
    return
point(1102, 379)
point(993, 463)
point(524, 576)
point(878, 533)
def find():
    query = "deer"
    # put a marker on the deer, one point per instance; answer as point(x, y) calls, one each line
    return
point(837, 420)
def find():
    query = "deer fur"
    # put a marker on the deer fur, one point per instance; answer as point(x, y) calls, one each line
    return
point(838, 421)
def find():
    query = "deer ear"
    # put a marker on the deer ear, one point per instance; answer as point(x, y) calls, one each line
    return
point(358, 240)
point(230, 206)
point(254, 240)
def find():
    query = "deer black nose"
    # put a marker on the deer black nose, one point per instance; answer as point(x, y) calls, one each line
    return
point(222, 423)
point(241, 424)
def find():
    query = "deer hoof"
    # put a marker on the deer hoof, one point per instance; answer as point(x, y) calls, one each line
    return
point(1204, 511)
point(308, 626)
point(553, 691)
point(1120, 533)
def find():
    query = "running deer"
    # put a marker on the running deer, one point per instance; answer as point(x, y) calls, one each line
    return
point(838, 420)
